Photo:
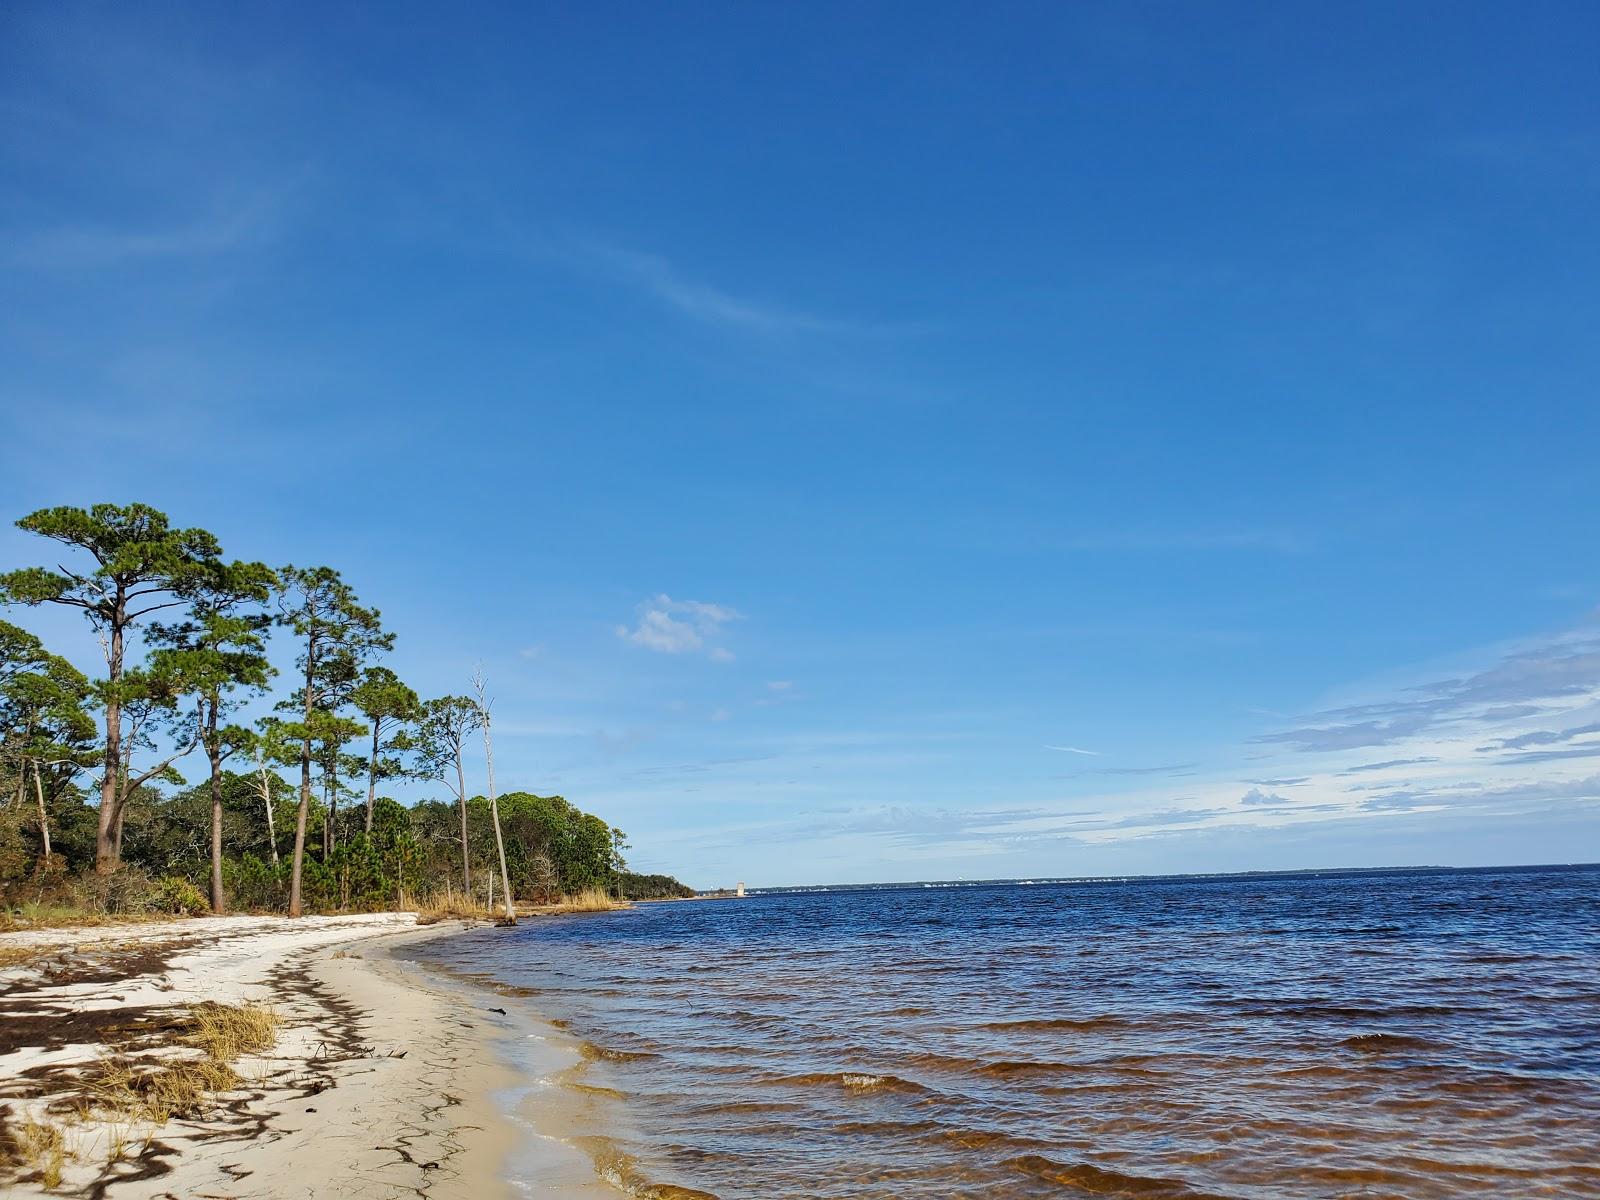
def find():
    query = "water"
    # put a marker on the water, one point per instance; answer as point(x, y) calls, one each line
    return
point(1415, 1034)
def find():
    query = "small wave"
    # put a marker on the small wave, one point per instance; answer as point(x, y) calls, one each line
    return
point(607, 1054)
point(593, 1089)
point(854, 1081)
point(1091, 1180)
point(982, 1139)
point(889, 1128)
point(1056, 1024)
point(744, 1016)
point(622, 1172)
point(1315, 1010)
point(1384, 1043)
point(1007, 1068)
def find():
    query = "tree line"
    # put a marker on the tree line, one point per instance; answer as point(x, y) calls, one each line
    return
point(184, 635)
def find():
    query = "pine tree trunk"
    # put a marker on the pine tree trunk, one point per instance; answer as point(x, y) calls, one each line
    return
point(372, 774)
point(305, 789)
point(108, 835)
point(330, 832)
point(461, 797)
point(214, 752)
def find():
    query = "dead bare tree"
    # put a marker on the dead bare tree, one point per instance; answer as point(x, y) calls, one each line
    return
point(264, 783)
point(484, 704)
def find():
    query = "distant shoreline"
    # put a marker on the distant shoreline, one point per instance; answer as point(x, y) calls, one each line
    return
point(1041, 880)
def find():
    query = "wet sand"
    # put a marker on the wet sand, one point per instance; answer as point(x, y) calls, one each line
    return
point(382, 1082)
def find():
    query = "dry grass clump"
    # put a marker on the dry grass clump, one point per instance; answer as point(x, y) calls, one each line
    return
point(448, 907)
point(141, 1093)
point(156, 1092)
point(591, 900)
point(229, 1031)
point(31, 1147)
point(17, 956)
point(124, 1090)
point(443, 908)
point(62, 916)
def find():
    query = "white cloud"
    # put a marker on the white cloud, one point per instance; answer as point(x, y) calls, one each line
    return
point(780, 685)
point(1074, 750)
point(720, 714)
point(680, 627)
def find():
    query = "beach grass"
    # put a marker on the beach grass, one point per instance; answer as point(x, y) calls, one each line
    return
point(16, 956)
point(452, 907)
point(589, 900)
point(33, 1147)
point(123, 1091)
point(140, 1091)
point(49, 915)
point(227, 1032)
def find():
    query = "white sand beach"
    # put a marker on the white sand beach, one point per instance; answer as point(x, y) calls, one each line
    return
point(380, 1084)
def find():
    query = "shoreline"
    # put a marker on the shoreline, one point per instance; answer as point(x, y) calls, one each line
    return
point(387, 1078)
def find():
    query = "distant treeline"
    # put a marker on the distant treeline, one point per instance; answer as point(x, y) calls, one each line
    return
point(184, 635)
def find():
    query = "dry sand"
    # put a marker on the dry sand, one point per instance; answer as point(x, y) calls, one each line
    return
point(381, 1084)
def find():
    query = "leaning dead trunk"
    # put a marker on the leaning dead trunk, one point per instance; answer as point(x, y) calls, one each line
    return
point(266, 799)
point(44, 819)
point(494, 813)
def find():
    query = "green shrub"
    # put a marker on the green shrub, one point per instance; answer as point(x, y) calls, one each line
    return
point(255, 885)
point(179, 897)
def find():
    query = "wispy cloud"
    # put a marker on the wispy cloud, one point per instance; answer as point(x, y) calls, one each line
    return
point(680, 626)
point(1388, 764)
point(72, 247)
point(1543, 737)
point(1176, 769)
point(1276, 541)
point(1529, 713)
point(1542, 679)
point(669, 285)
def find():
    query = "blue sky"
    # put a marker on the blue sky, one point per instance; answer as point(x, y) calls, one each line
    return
point(870, 441)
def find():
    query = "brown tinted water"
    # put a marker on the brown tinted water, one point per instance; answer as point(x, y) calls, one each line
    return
point(1421, 1034)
